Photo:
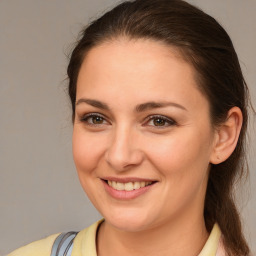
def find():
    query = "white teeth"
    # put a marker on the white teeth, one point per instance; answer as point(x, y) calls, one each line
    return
point(114, 184)
point(142, 184)
point(129, 186)
point(136, 185)
point(119, 186)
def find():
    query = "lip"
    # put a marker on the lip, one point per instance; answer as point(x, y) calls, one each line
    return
point(126, 195)
point(127, 179)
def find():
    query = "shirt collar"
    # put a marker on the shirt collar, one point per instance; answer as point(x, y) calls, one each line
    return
point(211, 245)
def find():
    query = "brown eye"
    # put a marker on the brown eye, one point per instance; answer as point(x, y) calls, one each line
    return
point(159, 122)
point(93, 119)
point(97, 120)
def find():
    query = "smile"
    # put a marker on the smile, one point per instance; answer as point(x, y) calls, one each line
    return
point(128, 186)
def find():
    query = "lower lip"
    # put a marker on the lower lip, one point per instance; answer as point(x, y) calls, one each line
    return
point(126, 195)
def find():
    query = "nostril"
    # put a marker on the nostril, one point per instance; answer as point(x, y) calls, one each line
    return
point(122, 160)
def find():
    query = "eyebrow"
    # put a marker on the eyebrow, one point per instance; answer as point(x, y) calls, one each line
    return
point(139, 108)
point(94, 103)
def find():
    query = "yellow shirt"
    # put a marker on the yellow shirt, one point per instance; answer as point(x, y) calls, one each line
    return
point(84, 244)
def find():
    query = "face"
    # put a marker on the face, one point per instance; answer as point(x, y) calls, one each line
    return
point(142, 137)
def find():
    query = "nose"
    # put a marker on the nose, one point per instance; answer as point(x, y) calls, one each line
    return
point(124, 151)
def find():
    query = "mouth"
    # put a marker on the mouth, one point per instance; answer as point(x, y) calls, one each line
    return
point(128, 186)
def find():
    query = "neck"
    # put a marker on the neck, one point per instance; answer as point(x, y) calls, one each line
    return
point(176, 238)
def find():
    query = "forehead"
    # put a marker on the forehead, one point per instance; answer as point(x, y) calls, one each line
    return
point(129, 51)
point(137, 68)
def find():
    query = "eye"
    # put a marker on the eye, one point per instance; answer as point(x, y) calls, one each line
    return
point(93, 119)
point(160, 121)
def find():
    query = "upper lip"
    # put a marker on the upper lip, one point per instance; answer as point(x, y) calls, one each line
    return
point(127, 179)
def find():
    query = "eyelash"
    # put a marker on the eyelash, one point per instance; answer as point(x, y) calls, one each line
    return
point(86, 117)
point(169, 121)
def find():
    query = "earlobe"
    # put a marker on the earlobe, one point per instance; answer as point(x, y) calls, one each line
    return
point(227, 136)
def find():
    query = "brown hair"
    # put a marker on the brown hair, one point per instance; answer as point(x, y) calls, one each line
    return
point(207, 46)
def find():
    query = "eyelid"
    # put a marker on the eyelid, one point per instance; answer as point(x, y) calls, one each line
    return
point(169, 120)
point(84, 118)
point(165, 118)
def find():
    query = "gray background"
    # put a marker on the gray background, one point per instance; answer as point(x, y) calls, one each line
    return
point(39, 191)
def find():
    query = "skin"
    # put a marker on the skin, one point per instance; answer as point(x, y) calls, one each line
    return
point(123, 143)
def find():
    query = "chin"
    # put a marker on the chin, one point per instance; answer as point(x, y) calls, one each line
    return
point(128, 221)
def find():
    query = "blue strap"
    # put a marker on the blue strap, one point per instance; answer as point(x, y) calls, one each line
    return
point(63, 244)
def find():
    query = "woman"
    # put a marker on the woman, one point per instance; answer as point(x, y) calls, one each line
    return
point(160, 113)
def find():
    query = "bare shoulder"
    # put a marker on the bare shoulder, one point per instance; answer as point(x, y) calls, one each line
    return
point(40, 248)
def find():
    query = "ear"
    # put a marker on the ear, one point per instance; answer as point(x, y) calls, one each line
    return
point(226, 136)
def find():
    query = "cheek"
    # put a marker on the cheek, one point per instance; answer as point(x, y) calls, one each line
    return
point(185, 152)
point(87, 154)
point(87, 149)
point(182, 161)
